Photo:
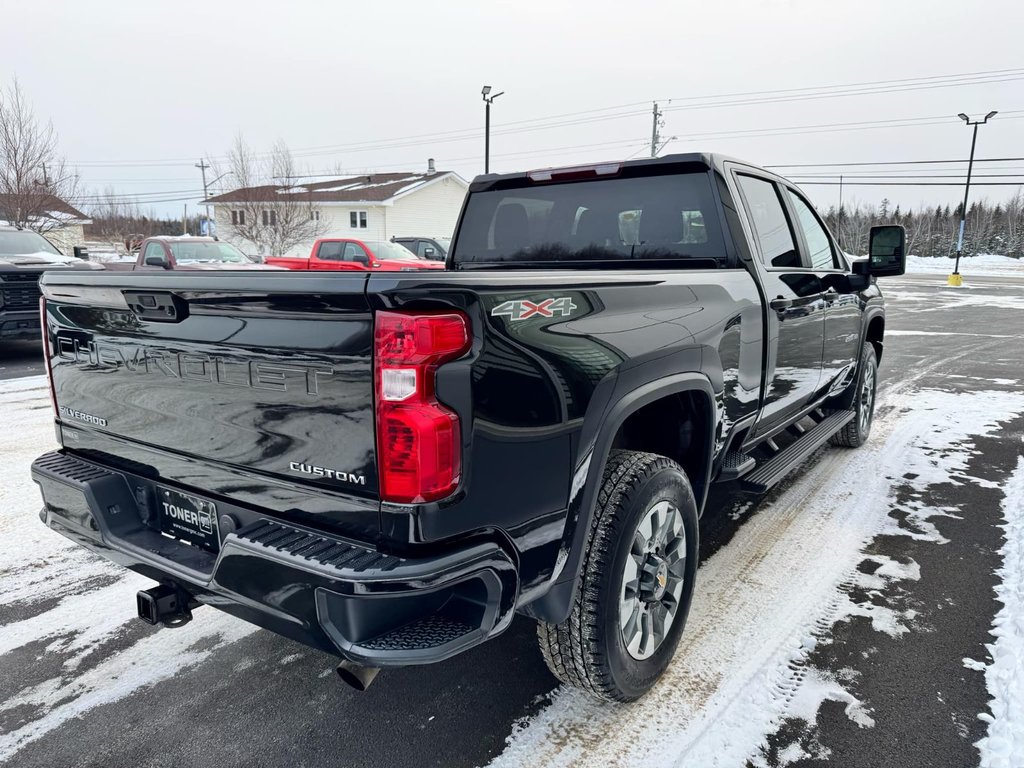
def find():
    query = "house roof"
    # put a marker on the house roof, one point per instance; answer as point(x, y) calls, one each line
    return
point(376, 187)
point(50, 206)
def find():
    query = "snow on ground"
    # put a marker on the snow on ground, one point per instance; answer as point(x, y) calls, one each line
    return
point(985, 264)
point(1003, 747)
point(951, 300)
point(739, 671)
point(94, 600)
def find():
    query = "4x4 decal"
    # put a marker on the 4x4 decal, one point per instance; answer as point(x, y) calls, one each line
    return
point(521, 309)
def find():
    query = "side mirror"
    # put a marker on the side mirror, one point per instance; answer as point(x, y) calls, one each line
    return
point(887, 251)
point(157, 261)
point(428, 252)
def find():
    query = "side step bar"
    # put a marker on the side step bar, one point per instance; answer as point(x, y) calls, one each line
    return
point(735, 465)
point(793, 455)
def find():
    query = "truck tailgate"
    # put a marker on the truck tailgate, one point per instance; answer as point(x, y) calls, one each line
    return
point(253, 386)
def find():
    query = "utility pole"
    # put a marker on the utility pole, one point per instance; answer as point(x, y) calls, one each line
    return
point(184, 219)
point(46, 179)
point(202, 165)
point(955, 279)
point(655, 125)
point(839, 213)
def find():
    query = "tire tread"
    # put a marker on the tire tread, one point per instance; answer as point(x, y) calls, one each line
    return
point(849, 436)
point(572, 649)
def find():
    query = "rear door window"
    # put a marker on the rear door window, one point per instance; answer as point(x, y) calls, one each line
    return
point(667, 216)
point(771, 227)
point(819, 245)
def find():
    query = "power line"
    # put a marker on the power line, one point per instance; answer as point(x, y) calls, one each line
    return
point(839, 94)
point(555, 121)
point(896, 162)
point(903, 173)
point(916, 176)
point(739, 133)
point(725, 135)
point(905, 80)
point(101, 195)
point(909, 183)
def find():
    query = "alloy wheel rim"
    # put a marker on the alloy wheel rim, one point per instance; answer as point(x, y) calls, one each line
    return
point(652, 580)
point(867, 398)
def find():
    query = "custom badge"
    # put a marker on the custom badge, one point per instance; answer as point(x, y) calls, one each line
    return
point(522, 309)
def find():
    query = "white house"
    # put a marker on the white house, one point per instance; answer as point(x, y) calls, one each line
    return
point(377, 206)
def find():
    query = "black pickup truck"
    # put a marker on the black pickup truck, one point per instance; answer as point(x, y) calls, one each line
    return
point(24, 256)
point(389, 466)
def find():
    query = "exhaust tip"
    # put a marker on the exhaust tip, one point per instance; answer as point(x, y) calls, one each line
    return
point(356, 675)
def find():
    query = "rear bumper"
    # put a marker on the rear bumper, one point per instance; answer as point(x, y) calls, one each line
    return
point(345, 598)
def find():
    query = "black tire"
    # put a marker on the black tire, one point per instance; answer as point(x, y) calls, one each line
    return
point(856, 432)
point(588, 650)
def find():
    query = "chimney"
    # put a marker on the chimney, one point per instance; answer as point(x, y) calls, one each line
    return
point(430, 167)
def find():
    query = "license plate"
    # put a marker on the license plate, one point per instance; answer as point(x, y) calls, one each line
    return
point(188, 518)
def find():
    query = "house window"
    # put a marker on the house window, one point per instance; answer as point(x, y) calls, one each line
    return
point(238, 218)
point(357, 219)
point(314, 215)
point(270, 218)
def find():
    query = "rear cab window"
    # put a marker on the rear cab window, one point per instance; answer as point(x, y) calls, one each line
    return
point(331, 250)
point(653, 213)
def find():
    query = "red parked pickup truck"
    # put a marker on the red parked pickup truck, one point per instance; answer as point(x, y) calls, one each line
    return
point(188, 253)
point(339, 253)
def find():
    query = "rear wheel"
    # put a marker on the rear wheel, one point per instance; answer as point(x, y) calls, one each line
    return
point(637, 581)
point(856, 432)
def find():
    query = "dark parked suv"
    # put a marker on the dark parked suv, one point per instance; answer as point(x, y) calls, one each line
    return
point(432, 248)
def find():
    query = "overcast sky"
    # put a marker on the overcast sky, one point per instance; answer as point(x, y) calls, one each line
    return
point(139, 91)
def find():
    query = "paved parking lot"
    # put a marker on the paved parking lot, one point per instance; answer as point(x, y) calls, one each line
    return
point(833, 618)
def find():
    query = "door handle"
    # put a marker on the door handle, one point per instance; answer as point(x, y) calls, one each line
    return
point(780, 303)
point(830, 295)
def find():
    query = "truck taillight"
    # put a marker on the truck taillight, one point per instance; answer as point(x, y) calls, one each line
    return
point(46, 353)
point(418, 439)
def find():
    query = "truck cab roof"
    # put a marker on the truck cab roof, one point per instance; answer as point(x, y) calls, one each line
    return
point(710, 160)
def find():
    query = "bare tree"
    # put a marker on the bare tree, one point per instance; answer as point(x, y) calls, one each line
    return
point(36, 185)
point(118, 222)
point(268, 208)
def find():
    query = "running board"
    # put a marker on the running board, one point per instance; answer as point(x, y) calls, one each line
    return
point(734, 466)
point(793, 455)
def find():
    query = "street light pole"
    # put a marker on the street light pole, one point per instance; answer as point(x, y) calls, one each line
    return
point(486, 93)
point(202, 165)
point(955, 279)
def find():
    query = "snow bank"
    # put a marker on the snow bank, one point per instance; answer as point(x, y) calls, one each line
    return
point(984, 264)
point(1003, 747)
